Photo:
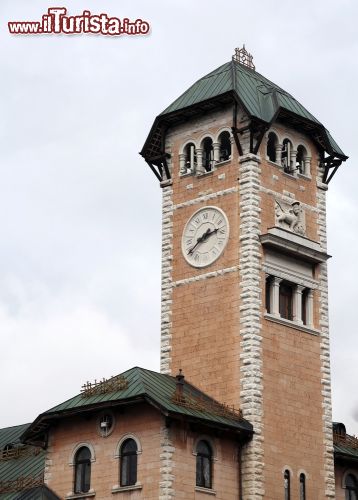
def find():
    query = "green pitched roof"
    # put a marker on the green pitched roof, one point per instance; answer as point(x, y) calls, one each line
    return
point(262, 99)
point(345, 447)
point(24, 462)
point(156, 389)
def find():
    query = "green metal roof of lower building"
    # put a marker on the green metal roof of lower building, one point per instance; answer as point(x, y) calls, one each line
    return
point(166, 393)
point(345, 447)
point(21, 466)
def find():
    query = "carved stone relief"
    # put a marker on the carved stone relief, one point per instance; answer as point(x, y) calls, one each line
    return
point(290, 216)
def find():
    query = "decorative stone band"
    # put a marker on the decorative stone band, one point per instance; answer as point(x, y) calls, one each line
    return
point(324, 347)
point(250, 324)
point(205, 197)
point(166, 287)
point(200, 277)
point(166, 487)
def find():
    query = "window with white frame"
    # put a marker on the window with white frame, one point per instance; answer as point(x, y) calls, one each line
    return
point(188, 160)
point(290, 285)
point(208, 154)
point(225, 146)
point(271, 147)
point(288, 157)
point(303, 161)
point(128, 461)
point(289, 301)
point(292, 160)
point(82, 470)
point(204, 456)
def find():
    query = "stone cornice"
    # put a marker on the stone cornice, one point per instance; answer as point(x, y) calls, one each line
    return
point(294, 244)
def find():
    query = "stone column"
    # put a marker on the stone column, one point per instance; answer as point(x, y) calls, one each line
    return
point(307, 165)
point(192, 158)
point(292, 161)
point(275, 297)
point(278, 150)
point(216, 147)
point(297, 304)
point(182, 166)
point(199, 158)
point(309, 309)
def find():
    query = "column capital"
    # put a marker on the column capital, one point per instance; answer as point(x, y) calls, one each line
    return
point(276, 281)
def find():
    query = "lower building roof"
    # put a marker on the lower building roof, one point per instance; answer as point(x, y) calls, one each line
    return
point(21, 466)
point(140, 385)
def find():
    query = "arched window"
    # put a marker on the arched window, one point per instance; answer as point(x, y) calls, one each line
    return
point(190, 158)
point(208, 154)
point(351, 487)
point(82, 470)
point(287, 484)
point(225, 146)
point(302, 486)
point(286, 156)
point(204, 464)
point(301, 159)
point(128, 455)
point(271, 146)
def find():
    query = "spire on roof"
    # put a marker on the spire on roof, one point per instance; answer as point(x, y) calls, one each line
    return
point(243, 57)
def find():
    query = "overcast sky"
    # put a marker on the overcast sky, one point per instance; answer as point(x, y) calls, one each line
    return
point(80, 211)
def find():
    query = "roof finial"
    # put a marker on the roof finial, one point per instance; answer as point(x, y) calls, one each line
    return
point(243, 57)
point(179, 388)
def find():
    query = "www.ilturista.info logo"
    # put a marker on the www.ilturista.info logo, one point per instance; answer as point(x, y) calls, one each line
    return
point(57, 22)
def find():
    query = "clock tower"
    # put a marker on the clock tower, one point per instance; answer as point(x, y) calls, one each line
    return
point(244, 170)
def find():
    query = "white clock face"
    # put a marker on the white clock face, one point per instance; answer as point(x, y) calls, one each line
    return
point(205, 236)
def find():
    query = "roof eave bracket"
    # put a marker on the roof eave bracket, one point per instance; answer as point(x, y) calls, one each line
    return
point(331, 165)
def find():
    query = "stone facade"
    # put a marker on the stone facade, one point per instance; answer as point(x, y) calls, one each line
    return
point(220, 334)
point(166, 459)
point(142, 422)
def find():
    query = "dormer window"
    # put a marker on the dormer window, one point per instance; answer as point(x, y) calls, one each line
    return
point(208, 154)
point(225, 146)
point(271, 147)
point(7, 450)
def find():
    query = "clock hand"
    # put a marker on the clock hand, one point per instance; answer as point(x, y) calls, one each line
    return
point(202, 238)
